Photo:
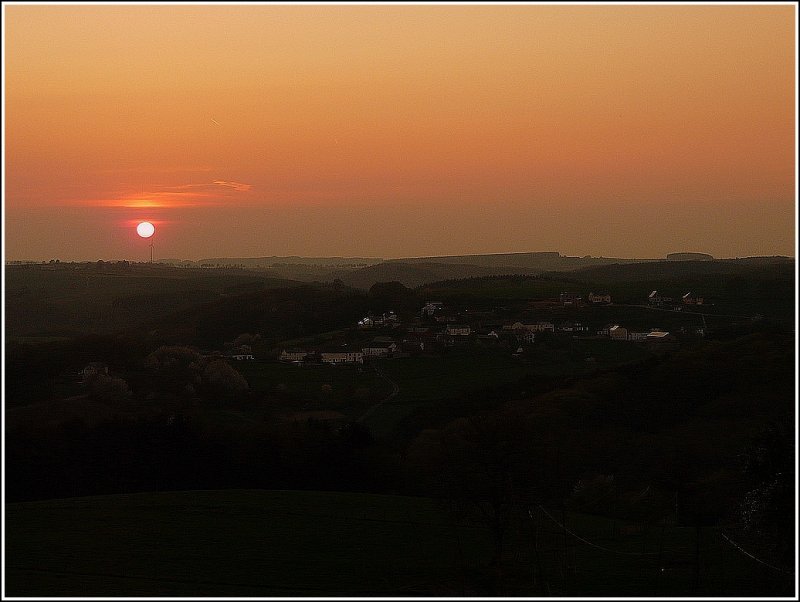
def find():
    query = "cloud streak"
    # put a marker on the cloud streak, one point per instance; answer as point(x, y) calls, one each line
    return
point(237, 186)
point(180, 195)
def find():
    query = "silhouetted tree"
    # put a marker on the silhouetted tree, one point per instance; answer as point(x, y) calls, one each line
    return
point(177, 370)
point(223, 378)
point(109, 389)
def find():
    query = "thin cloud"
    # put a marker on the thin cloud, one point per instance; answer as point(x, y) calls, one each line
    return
point(179, 195)
point(238, 186)
point(213, 186)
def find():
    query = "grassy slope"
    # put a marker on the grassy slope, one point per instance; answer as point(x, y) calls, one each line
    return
point(230, 543)
point(424, 379)
point(284, 543)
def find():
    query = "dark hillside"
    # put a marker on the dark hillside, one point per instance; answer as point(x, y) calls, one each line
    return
point(103, 297)
point(416, 274)
point(275, 314)
point(680, 269)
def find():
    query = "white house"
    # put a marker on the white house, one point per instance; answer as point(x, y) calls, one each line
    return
point(659, 340)
point(599, 298)
point(345, 356)
point(457, 330)
point(538, 327)
point(240, 357)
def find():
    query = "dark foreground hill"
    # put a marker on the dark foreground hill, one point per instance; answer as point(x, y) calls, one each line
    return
point(294, 543)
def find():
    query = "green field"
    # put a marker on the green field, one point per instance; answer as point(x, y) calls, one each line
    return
point(290, 543)
point(424, 380)
point(239, 543)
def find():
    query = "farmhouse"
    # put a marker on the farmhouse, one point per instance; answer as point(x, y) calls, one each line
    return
point(690, 299)
point(600, 298)
point(605, 330)
point(377, 348)
point(366, 322)
point(656, 298)
point(342, 356)
point(618, 333)
point(660, 341)
point(292, 355)
point(457, 330)
point(538, 327)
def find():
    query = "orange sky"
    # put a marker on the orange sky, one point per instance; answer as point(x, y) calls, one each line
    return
point(399, 130)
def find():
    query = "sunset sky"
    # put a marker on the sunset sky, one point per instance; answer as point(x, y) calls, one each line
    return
point(392, 131)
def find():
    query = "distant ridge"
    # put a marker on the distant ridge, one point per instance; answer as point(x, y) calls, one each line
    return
point(252, 262)
point(417, 271)
point(493, 259)
point(689, 257)
point(540, 260)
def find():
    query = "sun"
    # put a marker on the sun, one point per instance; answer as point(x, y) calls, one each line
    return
point(145, 229)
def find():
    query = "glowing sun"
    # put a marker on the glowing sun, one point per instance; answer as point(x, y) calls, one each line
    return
point(145, 229)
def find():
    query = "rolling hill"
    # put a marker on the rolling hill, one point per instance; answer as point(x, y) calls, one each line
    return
point(79, 298)
point(416, 274)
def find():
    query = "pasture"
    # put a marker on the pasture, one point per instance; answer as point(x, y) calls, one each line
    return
point(308, 543)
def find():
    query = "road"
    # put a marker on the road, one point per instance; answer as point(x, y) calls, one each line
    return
point(392, 395)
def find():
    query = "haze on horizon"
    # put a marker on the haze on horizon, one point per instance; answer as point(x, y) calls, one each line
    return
point(397, 131)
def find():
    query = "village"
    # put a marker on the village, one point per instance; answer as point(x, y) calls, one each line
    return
point(438, 327)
